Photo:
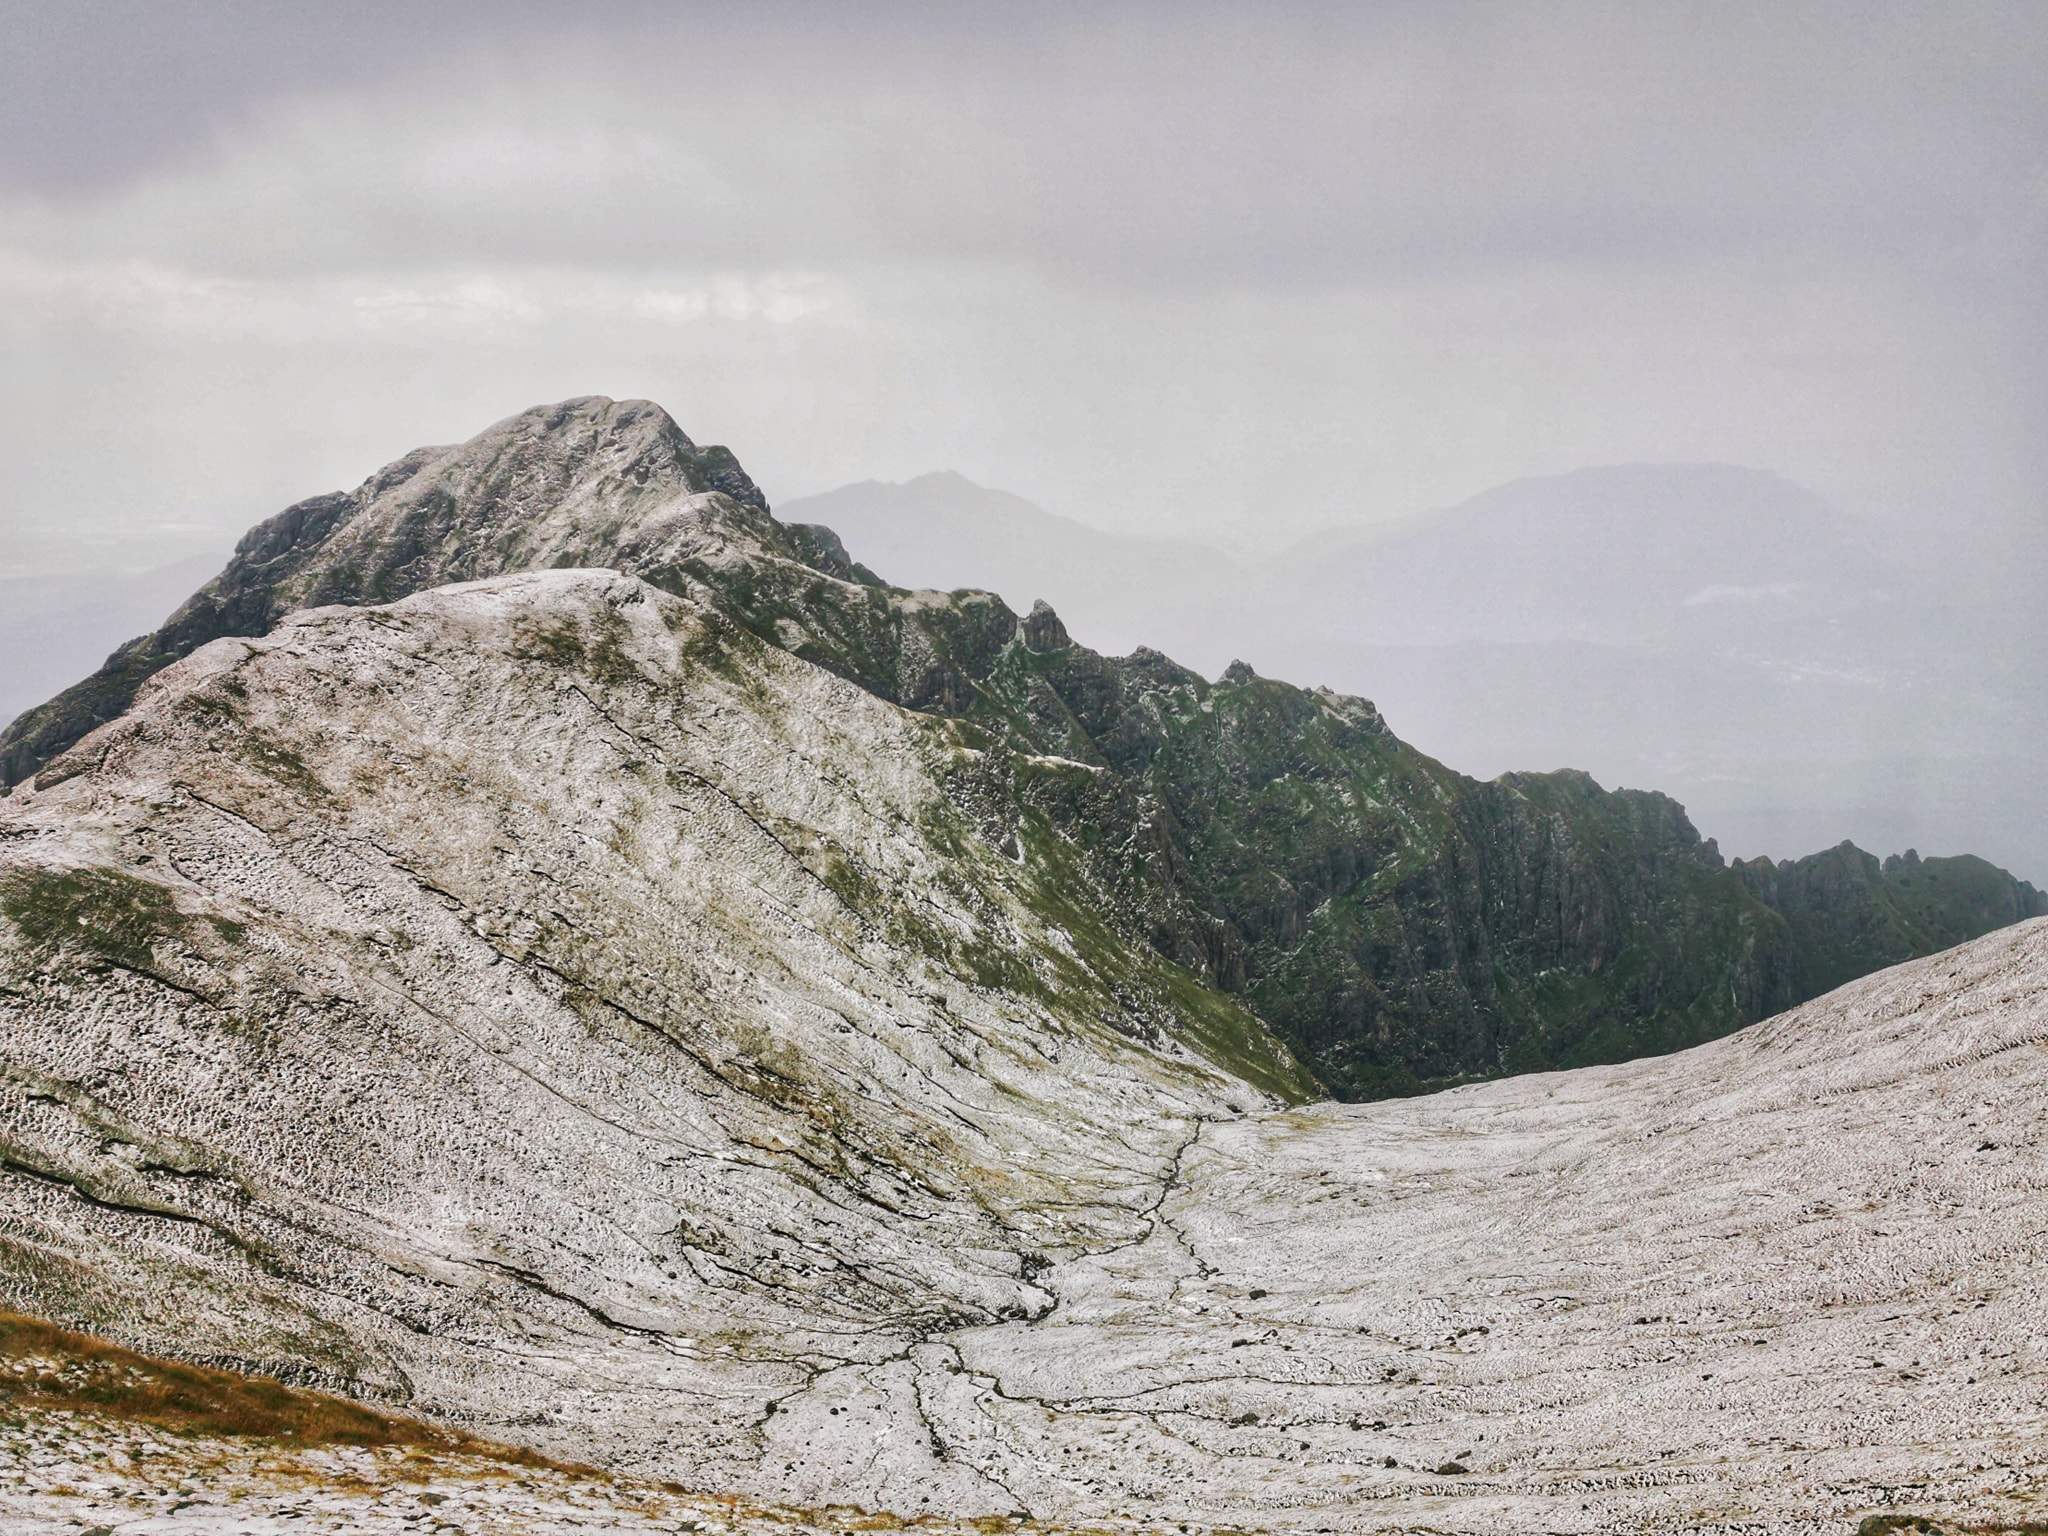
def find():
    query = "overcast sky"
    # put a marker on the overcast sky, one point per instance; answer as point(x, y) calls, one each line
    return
point(1241, 273)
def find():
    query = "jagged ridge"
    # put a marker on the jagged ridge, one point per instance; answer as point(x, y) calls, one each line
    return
point(1401, 924)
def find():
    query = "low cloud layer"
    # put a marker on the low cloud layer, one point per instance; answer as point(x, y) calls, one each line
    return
point(1161, 268)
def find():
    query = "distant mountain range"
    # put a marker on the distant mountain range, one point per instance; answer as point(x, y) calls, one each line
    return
point(1718, 632)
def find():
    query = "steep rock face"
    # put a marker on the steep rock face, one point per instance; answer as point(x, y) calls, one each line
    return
point(1850, 915)
point(1400, 923)
point(1403, 925)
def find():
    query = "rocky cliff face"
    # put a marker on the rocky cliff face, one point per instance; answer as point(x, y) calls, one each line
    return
point(1402, 925)
point(1849, 915)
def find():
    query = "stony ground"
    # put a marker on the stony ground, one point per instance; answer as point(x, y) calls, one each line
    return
point(70, 1475)
point(507, 1006)
point(1784, 1279)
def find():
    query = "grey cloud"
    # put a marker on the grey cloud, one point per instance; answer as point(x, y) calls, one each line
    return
point(1245, 270)
point(94, 93)
point(1131, 144)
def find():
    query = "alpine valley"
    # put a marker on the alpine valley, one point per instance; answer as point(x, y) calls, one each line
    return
point(545, 996)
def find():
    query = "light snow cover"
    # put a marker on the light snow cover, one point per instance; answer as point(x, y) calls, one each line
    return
point(544, 1027)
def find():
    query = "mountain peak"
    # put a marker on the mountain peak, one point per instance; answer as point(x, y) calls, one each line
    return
point(628, 419)
point(634, 439)
point(587, 481)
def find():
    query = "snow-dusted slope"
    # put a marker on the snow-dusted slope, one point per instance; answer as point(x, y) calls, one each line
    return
point(1767, 1283)
point(542, 1002)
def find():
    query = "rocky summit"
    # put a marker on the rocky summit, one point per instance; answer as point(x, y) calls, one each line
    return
point(542, 949)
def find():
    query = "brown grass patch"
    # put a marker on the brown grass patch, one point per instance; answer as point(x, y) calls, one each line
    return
point(49, 1368)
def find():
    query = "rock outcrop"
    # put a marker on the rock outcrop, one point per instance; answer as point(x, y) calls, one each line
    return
point(1848, 914)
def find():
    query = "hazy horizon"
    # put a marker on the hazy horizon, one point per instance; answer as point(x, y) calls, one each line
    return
point(1165, 270)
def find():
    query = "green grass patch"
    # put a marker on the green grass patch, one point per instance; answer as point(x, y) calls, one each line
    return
point(102, 910)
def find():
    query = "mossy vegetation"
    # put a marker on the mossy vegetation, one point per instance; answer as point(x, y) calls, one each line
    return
point(219, 709)
point(597, 649)
point(104, 911)
point(1218, 1027)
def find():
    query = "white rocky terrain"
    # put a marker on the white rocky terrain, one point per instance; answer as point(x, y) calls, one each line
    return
point(541, 1005)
